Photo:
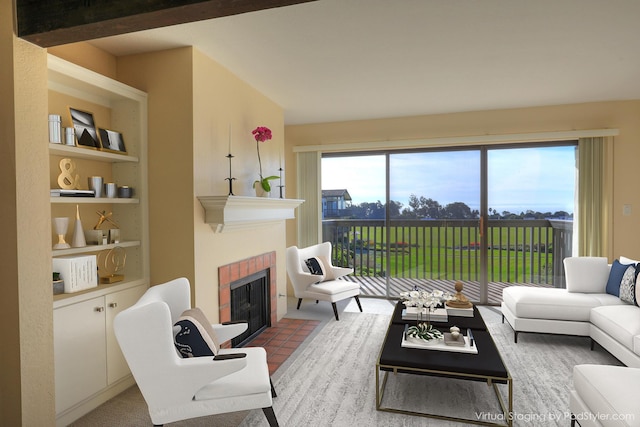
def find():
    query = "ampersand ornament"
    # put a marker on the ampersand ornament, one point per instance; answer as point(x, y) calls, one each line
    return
point(67, 180)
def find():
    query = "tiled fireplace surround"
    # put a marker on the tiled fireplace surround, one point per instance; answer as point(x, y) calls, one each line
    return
point(229, 273)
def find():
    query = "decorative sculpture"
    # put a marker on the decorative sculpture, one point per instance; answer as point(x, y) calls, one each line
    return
point(459, 300)
point(67, 179)
point(61, 224)
point(78, 233)
point(112, 262)
point(104, 216)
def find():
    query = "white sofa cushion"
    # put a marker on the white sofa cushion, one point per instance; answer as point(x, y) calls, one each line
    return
point(607, 299)
point(625, 260)
point(620, 322)
point(550, 303)
point(609, 391)
point(334, 286)
point(586, 274)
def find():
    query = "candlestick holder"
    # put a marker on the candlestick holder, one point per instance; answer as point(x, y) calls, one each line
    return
point(230, 179)
point(280, 186)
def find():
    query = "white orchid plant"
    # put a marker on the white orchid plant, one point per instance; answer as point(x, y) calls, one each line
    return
point(423, 299)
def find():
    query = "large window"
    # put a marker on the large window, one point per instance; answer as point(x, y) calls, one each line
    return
point(482, 215)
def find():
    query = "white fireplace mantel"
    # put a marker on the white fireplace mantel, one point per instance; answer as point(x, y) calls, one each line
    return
point(228, 213)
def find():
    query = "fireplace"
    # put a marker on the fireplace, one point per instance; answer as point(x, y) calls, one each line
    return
point(250, 302)
point(248, 292)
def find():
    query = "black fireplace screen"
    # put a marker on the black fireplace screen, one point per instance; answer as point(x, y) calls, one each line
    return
point(250, 303)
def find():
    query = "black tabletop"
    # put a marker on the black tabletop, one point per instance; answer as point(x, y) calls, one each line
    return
point(487, 363)
point(476, 322)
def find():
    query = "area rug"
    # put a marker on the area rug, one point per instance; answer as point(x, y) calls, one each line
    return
point(331, 381)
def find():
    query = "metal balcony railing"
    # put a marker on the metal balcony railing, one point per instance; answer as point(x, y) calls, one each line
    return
point(518, 251)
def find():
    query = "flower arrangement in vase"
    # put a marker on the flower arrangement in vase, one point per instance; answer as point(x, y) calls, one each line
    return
point(424, 301)
point(262, 134)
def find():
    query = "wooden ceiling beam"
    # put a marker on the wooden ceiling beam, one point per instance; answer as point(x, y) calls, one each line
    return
point(56, 22)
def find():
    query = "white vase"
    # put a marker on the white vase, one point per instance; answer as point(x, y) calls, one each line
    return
point(260, 192)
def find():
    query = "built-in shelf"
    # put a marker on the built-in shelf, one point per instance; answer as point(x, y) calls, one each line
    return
point(90, 154)
point(94, 248)
point(228, 213)
point(81, 200)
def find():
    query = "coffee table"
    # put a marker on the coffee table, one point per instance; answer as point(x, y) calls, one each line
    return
point(486, 366)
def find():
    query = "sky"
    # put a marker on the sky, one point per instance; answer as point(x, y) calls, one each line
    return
point(519, 179)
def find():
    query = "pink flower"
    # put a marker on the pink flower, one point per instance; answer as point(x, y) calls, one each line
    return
point(261, 133)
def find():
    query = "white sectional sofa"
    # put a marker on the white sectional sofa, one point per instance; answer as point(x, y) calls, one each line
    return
point(589, 306)
point(605, 396)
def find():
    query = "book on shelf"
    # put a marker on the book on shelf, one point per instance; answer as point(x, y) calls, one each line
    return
point(437, 315)
point(59, 192)
point(462, 312)
point(450, 340)
point(79, 272)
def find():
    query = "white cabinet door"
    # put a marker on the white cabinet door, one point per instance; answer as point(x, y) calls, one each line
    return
point(117, 367)
point(80, 351)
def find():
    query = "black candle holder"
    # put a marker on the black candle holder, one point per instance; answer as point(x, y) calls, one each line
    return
point(280, 186)
point(230, 179)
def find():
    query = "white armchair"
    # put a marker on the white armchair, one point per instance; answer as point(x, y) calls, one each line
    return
point(177, 388)
point(326, 284)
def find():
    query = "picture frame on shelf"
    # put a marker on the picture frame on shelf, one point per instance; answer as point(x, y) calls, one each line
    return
point(111, 140)
point(85, 128)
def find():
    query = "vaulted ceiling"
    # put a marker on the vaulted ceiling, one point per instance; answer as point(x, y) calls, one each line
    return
point(334, 60)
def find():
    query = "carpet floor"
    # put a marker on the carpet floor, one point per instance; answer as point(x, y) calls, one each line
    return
point(331, 381)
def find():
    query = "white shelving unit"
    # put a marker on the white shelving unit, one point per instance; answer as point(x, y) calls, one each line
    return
point(88, 363)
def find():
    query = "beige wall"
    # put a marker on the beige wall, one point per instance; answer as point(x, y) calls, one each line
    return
point(221, 100)
point(88, 56)
point(623, 115)
point(26, 310)
point(10, 374)
point(167, 78)
point(192, 103)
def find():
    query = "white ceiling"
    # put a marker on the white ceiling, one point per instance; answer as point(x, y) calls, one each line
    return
point(335, 60)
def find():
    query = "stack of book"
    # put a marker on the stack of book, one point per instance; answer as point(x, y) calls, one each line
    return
point(437, 315)
point(57, 192)
point(463, 312)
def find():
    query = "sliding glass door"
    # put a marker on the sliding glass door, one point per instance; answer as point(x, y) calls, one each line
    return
point(530, 199)
point(488, 216)
point(433, 232)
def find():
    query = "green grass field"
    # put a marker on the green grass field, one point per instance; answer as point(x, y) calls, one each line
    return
point(515, 254)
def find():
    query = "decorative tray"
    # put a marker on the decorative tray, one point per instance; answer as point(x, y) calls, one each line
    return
point(441, 345)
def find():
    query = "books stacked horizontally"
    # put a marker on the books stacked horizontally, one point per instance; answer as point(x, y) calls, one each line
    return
point(462, 312)
point(57, 192)
point(436, 315)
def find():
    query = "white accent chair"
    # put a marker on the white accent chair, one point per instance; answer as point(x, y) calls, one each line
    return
point(312, 286)
point(177, 388)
